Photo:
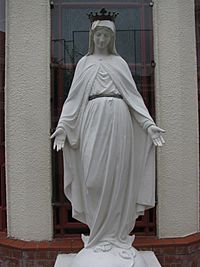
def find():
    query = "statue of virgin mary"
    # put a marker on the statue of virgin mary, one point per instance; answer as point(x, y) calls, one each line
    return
point(108, 139)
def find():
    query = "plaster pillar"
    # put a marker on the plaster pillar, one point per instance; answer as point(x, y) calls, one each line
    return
point(27, 120)
point(177, 113)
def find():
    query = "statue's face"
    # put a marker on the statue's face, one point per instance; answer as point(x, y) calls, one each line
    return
point(102, 38)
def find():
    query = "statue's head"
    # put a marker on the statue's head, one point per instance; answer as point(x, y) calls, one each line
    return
point(105, 28)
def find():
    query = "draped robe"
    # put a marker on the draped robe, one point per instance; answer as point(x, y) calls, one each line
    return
point(109, 172)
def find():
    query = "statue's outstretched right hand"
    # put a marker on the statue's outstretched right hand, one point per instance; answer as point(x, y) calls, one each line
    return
point(60, 137)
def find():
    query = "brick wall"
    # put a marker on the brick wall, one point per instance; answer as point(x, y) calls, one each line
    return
point(178, 252)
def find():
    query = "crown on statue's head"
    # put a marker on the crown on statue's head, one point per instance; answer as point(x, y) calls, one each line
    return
point(102, 15)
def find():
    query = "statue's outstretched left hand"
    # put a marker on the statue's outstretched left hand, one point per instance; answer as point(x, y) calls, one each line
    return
point(155, 134)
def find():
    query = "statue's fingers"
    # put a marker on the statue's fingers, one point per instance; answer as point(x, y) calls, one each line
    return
point(154, 136)
point(57, 132)
point(53, 135)
point(159, 142)
point(162, 139)
point(58, 147)
point(62, 144)
point(161, 130)
point(54, 144)
point(155, 142)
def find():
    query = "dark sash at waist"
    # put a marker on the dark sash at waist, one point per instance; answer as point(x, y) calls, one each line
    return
point(91, 97)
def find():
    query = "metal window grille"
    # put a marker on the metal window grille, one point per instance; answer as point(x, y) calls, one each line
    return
point(65, 52)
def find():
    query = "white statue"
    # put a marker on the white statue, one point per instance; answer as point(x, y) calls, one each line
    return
point(108, 138)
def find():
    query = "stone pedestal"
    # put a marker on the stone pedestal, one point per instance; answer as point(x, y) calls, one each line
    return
point(142, 259)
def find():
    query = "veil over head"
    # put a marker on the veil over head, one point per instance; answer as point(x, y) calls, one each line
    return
point(102, 23)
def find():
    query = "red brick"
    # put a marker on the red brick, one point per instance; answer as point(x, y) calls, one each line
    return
point(168, 250)
point(45, 263)
point(161, 259)
point(194, 264)
point(173, 259)
point(30, 246)
point(16, 253)
point(52, 254)
point(43, 245)
point(7, 252)
point(193, 248)
point(11, 243)
point(14, 263)
point(29, 264)
point(41, 254)
point(182, 250)
point(157, 251)
point(29, 254)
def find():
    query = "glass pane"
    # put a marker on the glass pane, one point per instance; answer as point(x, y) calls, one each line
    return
point(134, 42)
point(70, 37)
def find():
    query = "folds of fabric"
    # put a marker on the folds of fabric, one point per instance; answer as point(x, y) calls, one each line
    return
point(108, 156)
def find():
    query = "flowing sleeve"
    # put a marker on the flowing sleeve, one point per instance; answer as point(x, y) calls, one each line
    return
point(127, 87)
point(71, 120)
point(72, 109)
point(144, 149)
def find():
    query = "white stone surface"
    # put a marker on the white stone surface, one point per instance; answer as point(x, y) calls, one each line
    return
point(65, 260)
point(110, 176)
point(27, 122)
point(177, 113)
